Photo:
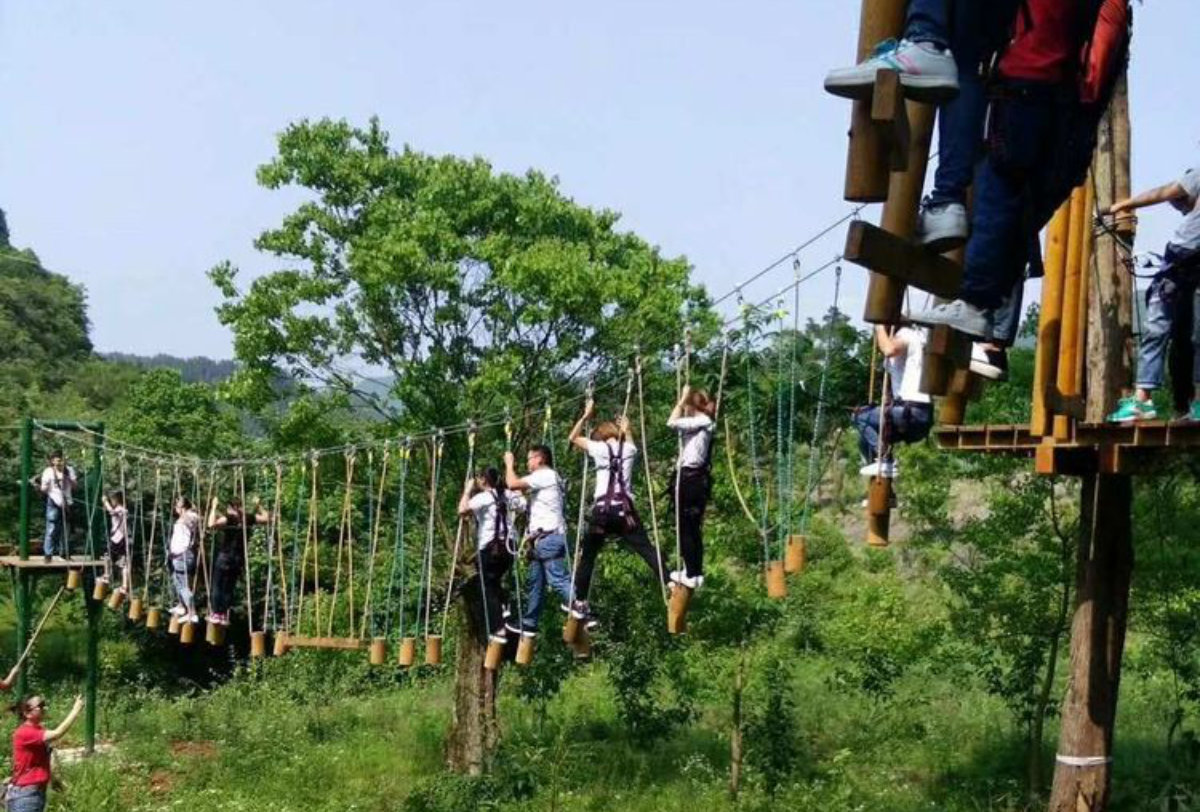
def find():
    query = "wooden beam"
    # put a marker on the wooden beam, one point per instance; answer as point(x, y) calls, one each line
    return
point(889, 113)
point(1045, 360)
point(868, 161)
point(888, 255)
point(40, 563)
point(339, 643)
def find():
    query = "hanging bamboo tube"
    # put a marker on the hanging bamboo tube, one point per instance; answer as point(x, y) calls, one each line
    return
point(153, 617)
point(135, 610)
point(408, 652)
point(433, 650)
point(377, 654)
point(1045, 370)
point(494, 656)
point(281, 644)
point(174, 625)
point(879, 512)
point(571, 629)
point(187, 633)
point(525, 648)
point(258, 645)
point(776, 581)
point(100, 590)
point(867, 163)
point(582, 645)
point(1066, 380)
point(796, 557)
point(116, 600)
point(74, 579)
point(215, 633)
point(677, 609)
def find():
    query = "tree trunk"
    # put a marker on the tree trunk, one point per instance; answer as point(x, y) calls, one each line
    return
point(1105, 564)
point(1043, 704)
point(736, 750)
point(474, 733)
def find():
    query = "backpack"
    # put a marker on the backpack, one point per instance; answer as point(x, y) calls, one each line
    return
point(615, 509)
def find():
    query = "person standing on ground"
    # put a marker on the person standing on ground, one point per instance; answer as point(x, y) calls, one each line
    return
point(31, 776)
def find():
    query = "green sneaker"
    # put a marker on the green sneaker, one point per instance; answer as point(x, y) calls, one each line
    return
point(1193, 412)
point(1131, 409)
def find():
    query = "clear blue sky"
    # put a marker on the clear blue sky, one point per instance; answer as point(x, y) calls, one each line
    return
point(131, 131)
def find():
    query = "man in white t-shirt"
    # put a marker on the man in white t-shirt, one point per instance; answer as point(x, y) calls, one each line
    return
point(57, 484)
point(547, 531)
point(909, 415)
point(613, 450)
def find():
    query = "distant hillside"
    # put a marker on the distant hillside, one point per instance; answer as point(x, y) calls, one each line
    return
point(193, 370)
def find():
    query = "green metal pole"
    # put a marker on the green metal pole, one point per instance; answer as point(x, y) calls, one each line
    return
point(94, 608)
point(22, 582)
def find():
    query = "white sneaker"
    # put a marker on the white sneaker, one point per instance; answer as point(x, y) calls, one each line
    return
point(178, 611)
point(888, 469)
point(192, 619)
point(499, 638)
point(943, 227)
point(680, 577)
point(983, 365)
point(927, 74)
point(966, 318)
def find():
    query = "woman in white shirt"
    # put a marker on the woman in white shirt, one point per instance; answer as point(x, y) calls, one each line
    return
point(493, 508)
point(613, 451)
point(118, 540)
point(692, 420)
point(181, 557)
point(909, 415)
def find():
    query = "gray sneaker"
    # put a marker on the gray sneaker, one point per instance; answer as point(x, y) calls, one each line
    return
point(943, 227)
point(959, 315)
point(927, 74)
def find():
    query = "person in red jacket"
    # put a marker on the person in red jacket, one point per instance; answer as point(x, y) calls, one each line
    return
point(1051, 86)
point(31, 776)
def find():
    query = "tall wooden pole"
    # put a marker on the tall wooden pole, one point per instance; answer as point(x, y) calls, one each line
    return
point(1083, 766)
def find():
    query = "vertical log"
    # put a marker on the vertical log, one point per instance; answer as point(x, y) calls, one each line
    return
point(474, 733)
point(1083, 769)
point(867, 162)
point(885, 296)
point(1068, 353)
point(1045, 363)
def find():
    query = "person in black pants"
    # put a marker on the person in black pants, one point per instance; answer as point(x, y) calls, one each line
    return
point(614, 452)
point(234, 525)
point(493, 508)
point(693, 420)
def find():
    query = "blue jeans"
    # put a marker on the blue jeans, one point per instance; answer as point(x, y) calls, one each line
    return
point(905, 423)
point(25, 799)
point(549, 565)
point(181, 567)
point(1173, 288)
point(929, 21)
point(1008, 316)
point(56, 529)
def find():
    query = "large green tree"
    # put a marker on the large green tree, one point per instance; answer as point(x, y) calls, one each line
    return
point(470, 289)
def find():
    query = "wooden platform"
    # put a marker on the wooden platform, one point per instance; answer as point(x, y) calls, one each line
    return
point(37, 562)
point(1141, 447)
point(340, 643)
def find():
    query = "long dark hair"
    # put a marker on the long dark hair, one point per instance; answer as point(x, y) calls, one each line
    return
point(490, 476)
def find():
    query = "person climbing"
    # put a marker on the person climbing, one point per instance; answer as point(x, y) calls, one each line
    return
point(545, 542)
point(493, 508)
point(613, 452)
point(57, 484)
point(693, 420)
point(1052, 83)
point(909, 415)
point(117, 554)
point(1170, 298)
point(181, 557)
point(233, 525)
point(31, 776)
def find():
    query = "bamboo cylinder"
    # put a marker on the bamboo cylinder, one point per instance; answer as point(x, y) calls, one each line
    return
point(153, 617)
point(867, 162)
point(885, 296)
point(879, 529)
point(281, 644)
point(879, 496)
point(582, 645)
point(116, 600)
point(433, 650)
point(100, 590)
point(378, 651)
point(776, 581)
point(1068, 352)
point(214, 634)
point(408, 652)
point(796, 558)
point(953, 411)
point(1045, 369)
point(525, 649)
point(494, 656)
point(135, 610)
point(571, 629)
point(677, 609)
point(74, 579)
point(258, 645)
point(187, 633)
point(174, 624)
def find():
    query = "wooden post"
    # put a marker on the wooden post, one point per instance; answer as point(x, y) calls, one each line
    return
point(867, 163)
point(885, 296)
point(1065, 380)
point(1083, 768)
point(1045, 366)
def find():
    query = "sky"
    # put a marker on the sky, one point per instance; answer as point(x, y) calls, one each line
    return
point(131, 131)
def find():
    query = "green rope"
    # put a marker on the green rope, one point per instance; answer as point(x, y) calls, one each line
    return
point(759, 495)
point(818, 424)
point(398, 548)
